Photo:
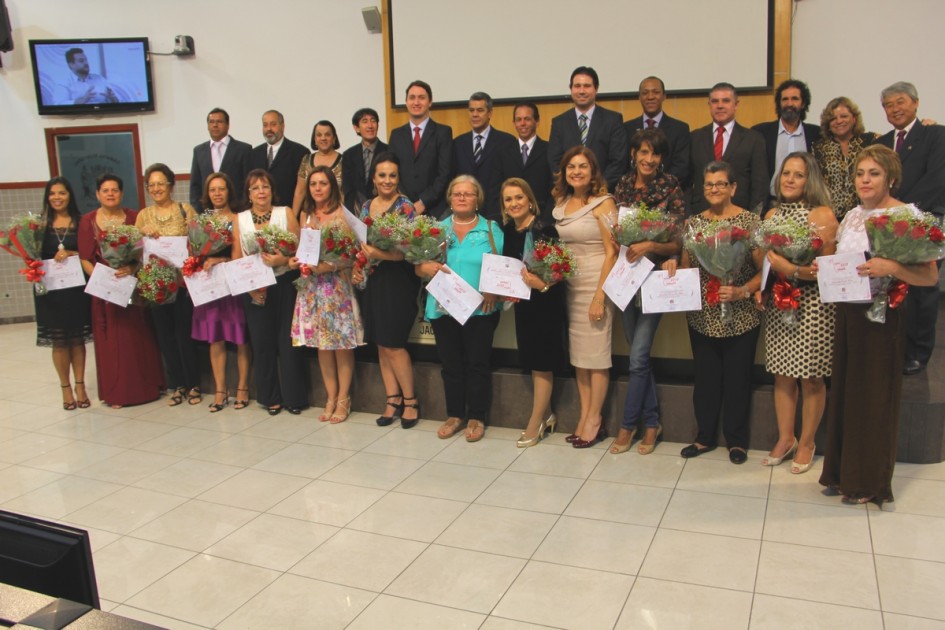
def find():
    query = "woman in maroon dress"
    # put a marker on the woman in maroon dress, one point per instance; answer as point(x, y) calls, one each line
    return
point(127, 360)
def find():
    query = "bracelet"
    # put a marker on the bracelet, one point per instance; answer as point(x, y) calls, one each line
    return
point(797, 271)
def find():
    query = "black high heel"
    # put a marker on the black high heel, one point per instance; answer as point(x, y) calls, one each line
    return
point(409, 424)
point(83, 404)
point(215, 407)
point(69, 406)
point(384, 421)
point(601, 434)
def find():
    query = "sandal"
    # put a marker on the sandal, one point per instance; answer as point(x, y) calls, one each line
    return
point(194, 396)
point(176, 398)
point(69, 406)
point(448, 429)
point(329, 410)
point(474, 432)
point(616, 448)
point(343, 403)
point(85, 403)
point(398, 408)
point(241, 403)
point(215, 406)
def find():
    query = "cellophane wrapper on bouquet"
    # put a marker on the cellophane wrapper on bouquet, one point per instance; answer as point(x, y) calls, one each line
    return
point(552, 261)
point(644, 224)
point(24, 239)
point(157, 282)
point(797, 241)
point(207, 234)
point(721, 248)
point(120, 245)
point(422, 239)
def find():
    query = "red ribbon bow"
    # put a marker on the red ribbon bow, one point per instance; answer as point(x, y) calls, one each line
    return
point(712, 291)
point(897, 292)
point(192, 265)
point(786, 296)
point(34, 270)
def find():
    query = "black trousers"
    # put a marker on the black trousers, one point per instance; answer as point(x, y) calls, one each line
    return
point(465, 352)
point(172, 326)
point(723, 385)
point(921, 314)
point(278, 368)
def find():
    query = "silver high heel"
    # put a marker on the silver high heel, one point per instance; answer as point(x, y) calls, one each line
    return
point(545, 425)
point(797, 469)
point(776, 461)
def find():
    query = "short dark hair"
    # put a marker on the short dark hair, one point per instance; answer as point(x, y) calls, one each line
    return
point(723, 85)
point(72, 208)
point(805, 95)
point(72, 52)
point(205, 202)
point(420, 84)
point(334, 132)
point(109, 177)
point(589, 71)
point(529, 105)
point(718, 166)
point(361, 113)
point(219, 110)
point(655, 137)
point(255, 175)
point(158, 167)
point(481, 96)
point(652, 78)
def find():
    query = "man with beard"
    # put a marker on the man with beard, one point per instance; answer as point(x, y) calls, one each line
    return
point(280, 156)
point(83, 87)
point(788, 133)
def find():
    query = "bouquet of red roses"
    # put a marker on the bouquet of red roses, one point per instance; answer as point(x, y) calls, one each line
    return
point(550, 261)
point(24, 239)
point(909, 237)
point(644, 224)
point(798, 242)
point(383, 231)
point(422, 239)
point(207, 234)
point(274, 240)
point(157, 282)
point(120, 245)
point(721, 248)
point(339, 244)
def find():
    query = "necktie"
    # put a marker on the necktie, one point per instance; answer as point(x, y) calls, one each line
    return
point(524, 154)
point(719, 143)
point(900, 140)
point(269, 158)
point(650, 123)
point(582, 127)
point(216, 155)
point(367, 163)
point(416, 140)
point(477, 150)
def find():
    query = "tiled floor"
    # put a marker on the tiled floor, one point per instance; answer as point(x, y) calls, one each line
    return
point(239, 520)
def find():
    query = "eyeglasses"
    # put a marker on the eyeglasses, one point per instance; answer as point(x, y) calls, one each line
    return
point(463, 195)
point(157, 185)
point(716, 185)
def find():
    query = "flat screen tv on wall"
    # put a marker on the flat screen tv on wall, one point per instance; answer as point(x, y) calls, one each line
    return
point(92, 76)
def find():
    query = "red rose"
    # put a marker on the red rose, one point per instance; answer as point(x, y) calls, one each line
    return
point(816, 242)
point(710, 241)
point(935, 234)
point(161, 283)
point(418, 233)
point(881, 221)
point(329, 243)
point(172, 287)
point(918, 231)
point(434, 231)
point(368, 221)
point(122, 240)
point(556, 267)
point(900, 228)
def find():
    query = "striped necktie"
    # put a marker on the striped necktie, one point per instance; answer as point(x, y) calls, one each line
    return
point(477, 150)
point(582, 127)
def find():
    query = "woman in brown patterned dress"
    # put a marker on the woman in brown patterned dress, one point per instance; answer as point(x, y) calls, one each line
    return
point(843, 136)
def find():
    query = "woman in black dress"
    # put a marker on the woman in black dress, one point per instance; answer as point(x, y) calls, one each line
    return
point(540, 320)
point(64, 316)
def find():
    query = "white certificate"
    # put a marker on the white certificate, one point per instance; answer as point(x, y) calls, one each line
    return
point(63, 275)
point(356, 224)
point(765, 272)
point(247, 274)
point(310, 245)
point(173, 249)
point(662, 294)
point(105, 285)
point(839, 281)
point(207, 286)
point(625, 279)
point(455, 295)
point(502, 275)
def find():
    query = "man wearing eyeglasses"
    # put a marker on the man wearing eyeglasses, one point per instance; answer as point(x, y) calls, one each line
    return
point(222, 153)
point(727, 141)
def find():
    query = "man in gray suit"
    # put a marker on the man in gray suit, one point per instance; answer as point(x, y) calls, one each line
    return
point(222, 153)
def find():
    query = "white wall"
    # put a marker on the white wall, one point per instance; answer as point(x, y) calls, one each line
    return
point(855, 48)
point(310, 60)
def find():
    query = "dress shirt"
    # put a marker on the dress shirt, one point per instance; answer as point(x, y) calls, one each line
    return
point(275, 148)
point(725, 136)
point(656, 120)
point(788, 143)
point(74, 88)
point(222, 151)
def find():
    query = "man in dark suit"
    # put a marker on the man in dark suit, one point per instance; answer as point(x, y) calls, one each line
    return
point(476, 152)
point(222, 153)
point(652, 95)
point(424, 148)
point(357, 160)
point(527, 157)
point(728, 141)
point(922, 150)
point(599, 129)
point(280, 156)
point(788, 133)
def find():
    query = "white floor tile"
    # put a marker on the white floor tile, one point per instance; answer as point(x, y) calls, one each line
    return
point(705, 559)
point(622, 503)
point(661, 604)
point(726, 515)
point(558, 460)
point(911, 587)
point(908, 535)
point(905, 622)
point(373, 471)
point(304, 460)
point(408, 516)
point(195, 525)
point(18, 480)
point(832, 527)
point(254, 489)
point(502, 531)
point(602, 545)
point(705, 474)
point(525, 491)
point(448, 481)
point(272, 542)
point(777, 613)
point(644, 470)
point(128, 467)
point(396, 613)
point(330, 503)
point(128, 565)
point(65, 496)
point(188, 477)
point(486, 453)
point(125, 510)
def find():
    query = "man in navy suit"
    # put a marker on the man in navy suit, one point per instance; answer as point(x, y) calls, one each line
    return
point(599, 129)
point(789, 133)
point(742, 148)
point(222, 153)
point(652, 95)
point(280, 156)
point(922, 150)
point(527, 157)
point(424, 148)
point(357, 160)
point(476, 152)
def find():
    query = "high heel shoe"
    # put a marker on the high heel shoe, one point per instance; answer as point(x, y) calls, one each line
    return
point(338, 418)
point(601, 434)
point(69, 406)
point(83, 404)
point(329, 410)
point(215, 406)
point(617, 449)
point(646, 449)
point(797, 469)
point(571, 438)
point(384, 421)
point(545, 425)
point(775, 461)
point(241, 403)
point(409, 423)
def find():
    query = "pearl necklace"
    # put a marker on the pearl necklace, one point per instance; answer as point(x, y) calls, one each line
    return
point(469, 222)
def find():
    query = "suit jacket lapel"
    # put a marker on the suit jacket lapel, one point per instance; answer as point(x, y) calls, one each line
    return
point(426, 137)
point(912, 138)
point(733, 142)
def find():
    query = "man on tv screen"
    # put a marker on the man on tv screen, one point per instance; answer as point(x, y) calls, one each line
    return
point(83, 87)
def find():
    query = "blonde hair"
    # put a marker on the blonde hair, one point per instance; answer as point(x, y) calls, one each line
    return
point(523, 185)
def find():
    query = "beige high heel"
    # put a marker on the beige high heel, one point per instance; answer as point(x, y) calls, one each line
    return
point(545, 425)
point(617, 449)
point(646, 449)
point(776, 461)
point(797, 469)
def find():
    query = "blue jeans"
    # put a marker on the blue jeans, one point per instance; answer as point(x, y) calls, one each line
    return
point(640, 331)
